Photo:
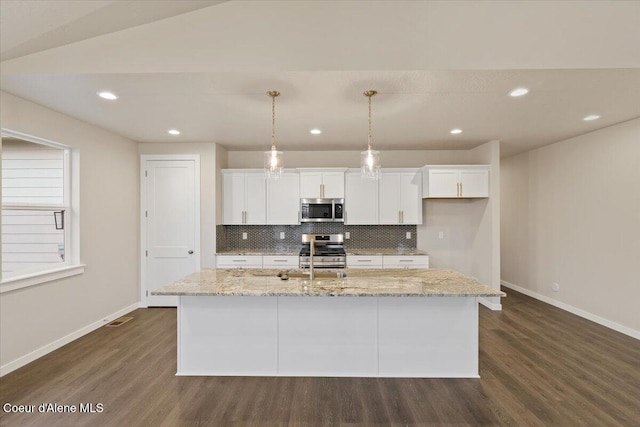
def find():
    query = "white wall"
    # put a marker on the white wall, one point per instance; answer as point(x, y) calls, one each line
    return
point(349, 159)
point(470, 227)
point(38, 316)
point(208, 177)
point(571, 215)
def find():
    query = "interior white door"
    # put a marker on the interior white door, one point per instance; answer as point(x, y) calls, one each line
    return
point(172, 225)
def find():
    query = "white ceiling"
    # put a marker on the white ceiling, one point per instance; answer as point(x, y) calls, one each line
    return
point(204, 67)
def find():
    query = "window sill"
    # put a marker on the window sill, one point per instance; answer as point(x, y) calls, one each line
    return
point(24, 281)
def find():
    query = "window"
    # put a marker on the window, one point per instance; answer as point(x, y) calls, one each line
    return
point(39, 215)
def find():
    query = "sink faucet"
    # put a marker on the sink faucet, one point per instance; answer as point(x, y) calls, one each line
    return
point(312, 250)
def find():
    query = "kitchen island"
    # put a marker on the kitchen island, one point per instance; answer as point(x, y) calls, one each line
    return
point(371, 323)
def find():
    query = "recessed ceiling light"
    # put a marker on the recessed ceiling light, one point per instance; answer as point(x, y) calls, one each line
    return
point(174, 131)
point(519, 92)
point(591, 117)
point(108, 95)
point(455, 131)
point(315, 131)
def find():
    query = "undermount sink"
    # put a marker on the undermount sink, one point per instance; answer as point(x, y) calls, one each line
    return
point(305, 275)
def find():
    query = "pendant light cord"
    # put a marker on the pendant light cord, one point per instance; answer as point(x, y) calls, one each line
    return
point(273, 122)
point(369, 142)
point(369, 94)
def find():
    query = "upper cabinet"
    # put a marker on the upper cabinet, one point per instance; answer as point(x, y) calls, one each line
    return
point(360, 199)
point(400, 200)
point(283, 199)
point(322, 183)
point(460, 181)
point(244, 197)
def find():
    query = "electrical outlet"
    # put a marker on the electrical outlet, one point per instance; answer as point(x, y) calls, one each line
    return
point(347, 235)
point(408, 235)
point(555, 287)
point(441, 235)
point(244, 236)
point(282, 235)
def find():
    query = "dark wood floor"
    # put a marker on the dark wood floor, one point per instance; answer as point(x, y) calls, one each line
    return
point(539, 365)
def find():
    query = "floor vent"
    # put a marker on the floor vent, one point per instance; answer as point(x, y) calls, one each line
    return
point(118, 322)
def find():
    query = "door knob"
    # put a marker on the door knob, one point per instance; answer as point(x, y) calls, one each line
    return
point(190, 252)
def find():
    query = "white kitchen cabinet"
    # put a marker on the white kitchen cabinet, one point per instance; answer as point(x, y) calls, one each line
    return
point(400, 197)
point(322, 183)
point(283, 199)
point(364, 261)
point(244, 197)
point(405, 261)
point(360, 199)
point(277, 261)
point(461, 181)
point(238, 261)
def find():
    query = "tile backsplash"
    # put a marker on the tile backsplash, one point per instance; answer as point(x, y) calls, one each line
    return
point(229, 237)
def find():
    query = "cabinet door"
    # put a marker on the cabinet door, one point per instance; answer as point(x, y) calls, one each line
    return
point(443, 183)
point(333, 185)
point(475, 183)
point(310, 184)
point(389, 192)
point(411, 197)
point(361, 200)
point(238, 261)
point(364, 261)
point(233, 198)
point(283, 199)
point(405, 261)
point(256, 199)
point(280, 261)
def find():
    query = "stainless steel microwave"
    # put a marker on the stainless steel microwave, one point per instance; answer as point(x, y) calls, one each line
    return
point(321, 210)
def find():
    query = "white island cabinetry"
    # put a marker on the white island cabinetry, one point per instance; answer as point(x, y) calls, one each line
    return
point(389, 323)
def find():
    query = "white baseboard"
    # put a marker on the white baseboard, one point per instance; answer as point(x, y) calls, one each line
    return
point(577, 311)
point(490, 305)
point(28, 358)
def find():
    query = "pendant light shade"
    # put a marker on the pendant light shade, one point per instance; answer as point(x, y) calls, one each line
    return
point(370, 159)
point(273, 165)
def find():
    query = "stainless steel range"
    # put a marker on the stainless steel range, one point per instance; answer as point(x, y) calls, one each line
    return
point(328, 251)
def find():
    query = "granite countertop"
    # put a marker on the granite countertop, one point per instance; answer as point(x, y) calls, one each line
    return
point(265, 282)
point(385, 251)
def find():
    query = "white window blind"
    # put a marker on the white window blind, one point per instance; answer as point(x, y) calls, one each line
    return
point(35, 207)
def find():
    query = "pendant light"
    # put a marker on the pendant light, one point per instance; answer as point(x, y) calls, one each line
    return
point(273, 158)
point(370, 159)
